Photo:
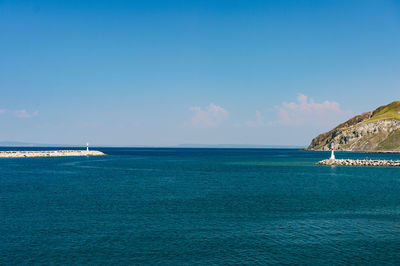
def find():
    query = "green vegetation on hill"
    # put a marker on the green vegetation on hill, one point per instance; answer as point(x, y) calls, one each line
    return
point(390, 111)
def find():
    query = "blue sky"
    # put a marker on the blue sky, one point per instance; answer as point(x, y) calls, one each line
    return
point(207, 72)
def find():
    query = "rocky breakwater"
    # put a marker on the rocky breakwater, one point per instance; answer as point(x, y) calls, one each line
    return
point(55, 153)
point(349, 162)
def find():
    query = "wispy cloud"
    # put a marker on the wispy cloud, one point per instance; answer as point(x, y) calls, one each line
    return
point(258, 122)
point(211, 116)
point(19, 113)
point(25, 114)
point(306, 111)
point(92, 124)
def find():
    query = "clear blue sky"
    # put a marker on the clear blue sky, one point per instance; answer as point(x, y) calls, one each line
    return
point(171, 72)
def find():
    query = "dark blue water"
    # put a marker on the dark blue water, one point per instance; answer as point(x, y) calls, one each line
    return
point(198, 207)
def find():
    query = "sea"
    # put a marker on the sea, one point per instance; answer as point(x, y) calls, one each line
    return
point(183, 206)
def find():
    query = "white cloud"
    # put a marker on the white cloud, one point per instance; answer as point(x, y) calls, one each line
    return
point(2, 111)
point(258, 122)
point(306, 111)
point(25, 114)
point(211, 116)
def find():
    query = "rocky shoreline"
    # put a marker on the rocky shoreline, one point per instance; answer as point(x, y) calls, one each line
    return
point(358, 151)
point(55, 153)
point(349, 162)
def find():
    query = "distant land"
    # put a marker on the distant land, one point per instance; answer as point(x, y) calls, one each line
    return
point(374, 131)
point(221, 146)
point(244, 146)
point(18, 144)
point(29, 144)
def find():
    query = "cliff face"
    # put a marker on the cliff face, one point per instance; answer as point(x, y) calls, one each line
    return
point(372, 131)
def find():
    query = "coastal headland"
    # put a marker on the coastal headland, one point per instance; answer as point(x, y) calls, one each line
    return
point(54, 153)
point(374, 131)
point(349, 162)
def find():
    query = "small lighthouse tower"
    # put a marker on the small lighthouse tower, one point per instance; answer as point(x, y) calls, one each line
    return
point(87, 146)
point(332, 152)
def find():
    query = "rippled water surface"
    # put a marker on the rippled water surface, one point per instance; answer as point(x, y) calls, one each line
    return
point(198, 207)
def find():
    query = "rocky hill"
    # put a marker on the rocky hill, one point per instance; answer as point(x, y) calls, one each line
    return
point(378, 130)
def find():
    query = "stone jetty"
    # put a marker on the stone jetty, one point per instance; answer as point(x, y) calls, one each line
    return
point(349, 162)
point(55, 153)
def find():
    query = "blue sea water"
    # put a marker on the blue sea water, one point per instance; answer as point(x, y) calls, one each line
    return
point(148, 206)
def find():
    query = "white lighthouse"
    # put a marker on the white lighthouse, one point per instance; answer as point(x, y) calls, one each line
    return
point(332, 152)
point(87, 146)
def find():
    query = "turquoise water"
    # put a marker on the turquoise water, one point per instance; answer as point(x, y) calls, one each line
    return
point(198, 207)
